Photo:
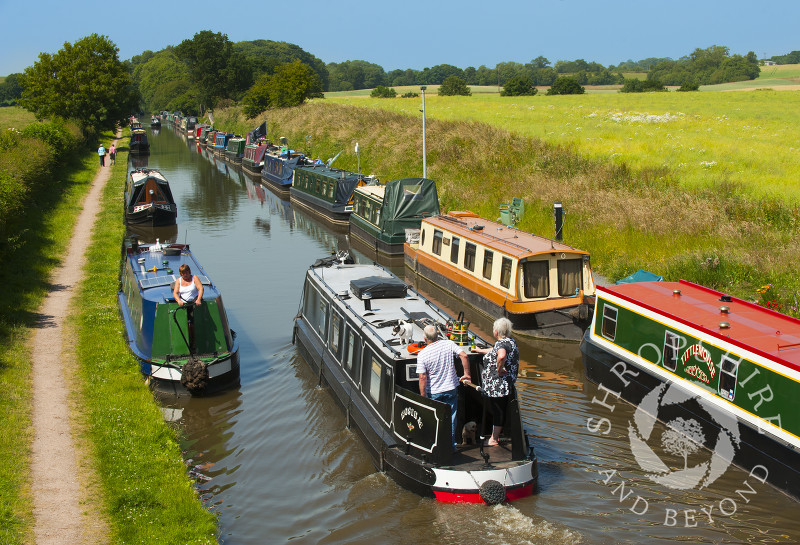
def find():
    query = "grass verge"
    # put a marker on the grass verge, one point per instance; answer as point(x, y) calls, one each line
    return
point(148, 495)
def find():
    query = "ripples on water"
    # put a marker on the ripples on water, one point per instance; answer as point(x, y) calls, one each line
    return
point(276, 462)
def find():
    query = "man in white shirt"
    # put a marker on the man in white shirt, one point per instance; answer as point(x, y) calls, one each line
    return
point(437, 371)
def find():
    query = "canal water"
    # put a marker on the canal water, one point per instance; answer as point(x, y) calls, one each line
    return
point(275, 462)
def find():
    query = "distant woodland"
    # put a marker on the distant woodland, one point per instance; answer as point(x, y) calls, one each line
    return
point(209, 70)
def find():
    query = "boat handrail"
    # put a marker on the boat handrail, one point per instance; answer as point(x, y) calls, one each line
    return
point(500, 239)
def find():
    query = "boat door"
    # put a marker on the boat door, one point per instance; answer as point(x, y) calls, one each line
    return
point(422, 425)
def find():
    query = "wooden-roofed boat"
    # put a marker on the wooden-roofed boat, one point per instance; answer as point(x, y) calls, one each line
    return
point(326, 192)
point(383, 213)
point(728, 368)
point(139, 145)
point(157, 329)
point(543, 286)
point(148, 199)
point(344, 331)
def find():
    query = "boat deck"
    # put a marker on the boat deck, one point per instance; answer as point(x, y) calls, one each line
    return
point(468, 457)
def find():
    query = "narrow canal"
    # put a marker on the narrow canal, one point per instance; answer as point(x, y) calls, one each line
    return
point(275, 461)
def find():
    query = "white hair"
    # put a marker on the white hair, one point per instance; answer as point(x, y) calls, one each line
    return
point(502, 327)
point(431, 333)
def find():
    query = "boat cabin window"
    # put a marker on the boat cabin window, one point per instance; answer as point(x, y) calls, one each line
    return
point(469, 257)
point(671, 347)
point(488, 257)
point(505, 272)
point(536, 279)
point(331, 189)
point(371, 379)
point(316, 310)
point(335, 336)
point(377, 219)
point(352, 353)
point(729, 369)
point(609, 322)
point(454, 250)
point(422, 241)
point(569, 277)
point(437, 242)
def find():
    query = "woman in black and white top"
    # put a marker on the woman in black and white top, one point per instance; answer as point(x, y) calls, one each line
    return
point(501, 365)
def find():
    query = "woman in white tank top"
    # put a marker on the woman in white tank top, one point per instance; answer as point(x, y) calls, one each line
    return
point(188, 287)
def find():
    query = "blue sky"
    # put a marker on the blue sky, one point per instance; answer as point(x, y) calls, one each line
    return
point(412, 33)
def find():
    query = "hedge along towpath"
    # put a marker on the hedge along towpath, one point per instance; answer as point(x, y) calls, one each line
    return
point(56, 486)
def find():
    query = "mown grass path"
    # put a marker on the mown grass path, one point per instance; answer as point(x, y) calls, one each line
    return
point(62, 514)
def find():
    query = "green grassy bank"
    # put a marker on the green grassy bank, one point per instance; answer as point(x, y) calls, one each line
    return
point(144, 491)
point(149, 496)
point(629, 216)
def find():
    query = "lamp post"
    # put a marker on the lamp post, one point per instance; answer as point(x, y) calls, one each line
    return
point(424, 159)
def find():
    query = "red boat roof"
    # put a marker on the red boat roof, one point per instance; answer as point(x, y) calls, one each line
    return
point(753, 327)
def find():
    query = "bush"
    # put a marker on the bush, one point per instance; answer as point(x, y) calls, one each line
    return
point(519, 85)
point(383, 92)
point(689, 86)
point(410, 94)
point(566, 86)
point(633, 85)
point(454, 86)
point(55, 134)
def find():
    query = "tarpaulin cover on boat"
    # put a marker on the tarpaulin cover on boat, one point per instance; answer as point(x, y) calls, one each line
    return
point(641, 276)
point(405, 202)
point(379, 287)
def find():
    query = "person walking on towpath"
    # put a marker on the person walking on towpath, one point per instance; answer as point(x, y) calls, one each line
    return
point(101, 151)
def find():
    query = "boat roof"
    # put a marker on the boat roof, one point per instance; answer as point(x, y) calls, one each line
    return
point(140, 176)
point(508, 240)
point(385, 312)
point(751, 326)
point(157, 285)
point(374, 191)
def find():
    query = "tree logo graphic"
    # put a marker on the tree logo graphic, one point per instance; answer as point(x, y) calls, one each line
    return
point(677, 458)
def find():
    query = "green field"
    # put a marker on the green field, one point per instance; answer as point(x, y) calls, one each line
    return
point(748, 140)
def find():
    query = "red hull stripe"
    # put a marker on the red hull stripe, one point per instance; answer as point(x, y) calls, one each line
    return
point(512, 494)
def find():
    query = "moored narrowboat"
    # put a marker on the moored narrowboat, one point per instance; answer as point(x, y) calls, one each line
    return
point(253, 158)
point(221, 142)
point(148, 199)
point(155, 122)
point(722, 371)
point(543, 286)
point(279, 166)
point(189, 126)
point(345, 332)
point(234, 149)
point(139, 144)
point(383, 213)
point(326, 192)
point(179, 352)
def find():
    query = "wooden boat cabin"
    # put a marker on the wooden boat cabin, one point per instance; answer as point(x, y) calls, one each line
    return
point(345, 332)
point(148, 199)
point(733, 367)
point(253, 158)
point(234, 150)
point(326, 192)
point(543, 286)
point(383, 213)
point(175, 357)
point(139, 144)
point(279, 167)
point(221, 142)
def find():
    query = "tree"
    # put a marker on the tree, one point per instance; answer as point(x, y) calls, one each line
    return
point(454, 86)
point(215, 70)
point(566, 86)
point(84, 81)
point(155, 79)
point(520, 85)
point(633, 85)
point(10, 90)
point(383, 92)
point(290, 85)
point(256, 99)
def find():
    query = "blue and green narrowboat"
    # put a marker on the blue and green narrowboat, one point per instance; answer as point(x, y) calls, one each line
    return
point(326, 192)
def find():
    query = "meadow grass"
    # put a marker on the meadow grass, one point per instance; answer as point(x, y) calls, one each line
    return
point(746, 140)
point(628, 217)
point(14, 116)
point(148, 495)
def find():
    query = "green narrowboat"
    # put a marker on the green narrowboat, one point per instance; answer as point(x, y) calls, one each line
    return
point(383, 213)
point(326, 192)
point(234, 149)
point(722, 371)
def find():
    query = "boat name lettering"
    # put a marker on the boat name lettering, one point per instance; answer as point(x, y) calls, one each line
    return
point(410, 411)
point(696, 372)
point(702, 354)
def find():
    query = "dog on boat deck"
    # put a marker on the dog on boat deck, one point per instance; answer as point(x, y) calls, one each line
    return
point(468, 433)
point(404, 331)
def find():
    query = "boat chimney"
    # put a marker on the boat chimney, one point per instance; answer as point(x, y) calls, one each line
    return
point(559, 213)
point(724, 309)
point(676, 292)
point(367, 298)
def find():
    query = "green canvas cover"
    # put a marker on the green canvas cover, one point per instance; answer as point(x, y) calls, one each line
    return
point(406, 202)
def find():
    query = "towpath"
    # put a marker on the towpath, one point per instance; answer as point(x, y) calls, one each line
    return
point(64, 512)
